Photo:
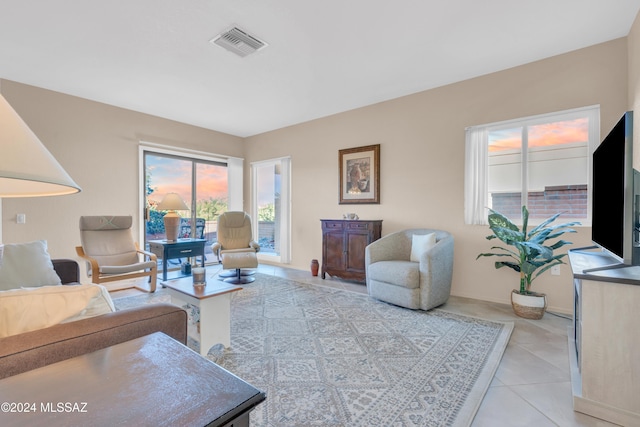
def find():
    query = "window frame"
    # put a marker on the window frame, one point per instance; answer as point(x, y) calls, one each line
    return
point(285, 229)
point(235, 174)
point(477, 160)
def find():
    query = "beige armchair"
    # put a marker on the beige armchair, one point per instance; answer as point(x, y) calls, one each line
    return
point(393, 277)
point(235, 247)
point(110, 252)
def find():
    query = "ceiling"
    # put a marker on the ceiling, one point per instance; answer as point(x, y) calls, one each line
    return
point(323, 56)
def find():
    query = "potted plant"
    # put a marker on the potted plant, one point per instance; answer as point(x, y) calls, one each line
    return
point(530, 254)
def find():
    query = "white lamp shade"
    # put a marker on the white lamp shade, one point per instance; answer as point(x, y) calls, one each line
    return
point(172, 202)
point(27, 168)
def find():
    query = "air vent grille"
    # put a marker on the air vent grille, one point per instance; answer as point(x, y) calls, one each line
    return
point(239, 42)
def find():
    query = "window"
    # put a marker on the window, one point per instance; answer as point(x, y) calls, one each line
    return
point(202, 181)
point(543, 162)
point(271, 208)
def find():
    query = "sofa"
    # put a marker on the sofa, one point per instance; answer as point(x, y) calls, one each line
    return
point(30, 350)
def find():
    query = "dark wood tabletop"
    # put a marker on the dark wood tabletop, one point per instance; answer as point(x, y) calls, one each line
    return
point(153, 380)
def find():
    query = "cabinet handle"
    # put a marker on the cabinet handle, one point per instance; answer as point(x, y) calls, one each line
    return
point(186, 251)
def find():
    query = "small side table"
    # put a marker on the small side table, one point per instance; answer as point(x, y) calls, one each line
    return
point(181, 248)
point(214, 302)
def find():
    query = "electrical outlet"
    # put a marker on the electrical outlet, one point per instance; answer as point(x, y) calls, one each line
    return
point(555, 270)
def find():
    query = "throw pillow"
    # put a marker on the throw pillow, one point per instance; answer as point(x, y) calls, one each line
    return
point(420, 243)
point(29, 309)
point(27, 264)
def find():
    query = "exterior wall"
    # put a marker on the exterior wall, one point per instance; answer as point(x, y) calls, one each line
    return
point(571, 200)
point(266, 231)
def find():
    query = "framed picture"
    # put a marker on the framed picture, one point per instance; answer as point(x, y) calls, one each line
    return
point(360, 175)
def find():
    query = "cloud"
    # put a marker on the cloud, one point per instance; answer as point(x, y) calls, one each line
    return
point(168, 175)
point(548, 134)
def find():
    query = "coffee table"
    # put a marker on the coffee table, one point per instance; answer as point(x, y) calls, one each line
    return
point(214, 302)
point(152, 380)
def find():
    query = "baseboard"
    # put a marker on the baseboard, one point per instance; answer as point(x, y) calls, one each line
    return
point(550, 309)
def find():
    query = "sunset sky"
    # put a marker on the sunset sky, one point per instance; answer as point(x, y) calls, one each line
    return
point(557, 133)
point(174, 176)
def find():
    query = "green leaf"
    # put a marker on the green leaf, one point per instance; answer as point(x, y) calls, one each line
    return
point(511, 265)
point(532, 256)
point(496, 219)
point(507, 235)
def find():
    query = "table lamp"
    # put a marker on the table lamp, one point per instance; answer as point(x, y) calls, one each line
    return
point(172, 202)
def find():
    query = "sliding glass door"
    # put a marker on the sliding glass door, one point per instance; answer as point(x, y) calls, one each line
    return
point(202, 184)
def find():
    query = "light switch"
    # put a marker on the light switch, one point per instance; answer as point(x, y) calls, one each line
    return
point(21, 218)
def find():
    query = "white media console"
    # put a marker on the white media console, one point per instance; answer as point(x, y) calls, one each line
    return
point(604, 345)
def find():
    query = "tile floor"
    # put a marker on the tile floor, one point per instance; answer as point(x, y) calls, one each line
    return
point(532, 386)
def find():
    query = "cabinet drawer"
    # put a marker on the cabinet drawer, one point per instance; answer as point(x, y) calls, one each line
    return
point(156, 249)
point(359, 225)
point(332, 225)
point(183, 252)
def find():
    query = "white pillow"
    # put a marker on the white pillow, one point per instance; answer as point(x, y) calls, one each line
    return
point(28, 309)
point(420, 243)
point(27, 264)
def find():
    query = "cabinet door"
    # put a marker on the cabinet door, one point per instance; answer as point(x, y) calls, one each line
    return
point(356, 242)
point(334, 256)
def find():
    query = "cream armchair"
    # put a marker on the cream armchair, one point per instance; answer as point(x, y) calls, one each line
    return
point(235, 247)
point(110, 252)
point(393, 277)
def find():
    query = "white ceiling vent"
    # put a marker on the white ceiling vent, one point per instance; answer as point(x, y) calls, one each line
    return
point(239, 42)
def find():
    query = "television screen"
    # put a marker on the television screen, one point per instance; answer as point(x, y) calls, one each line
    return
point(613, 192)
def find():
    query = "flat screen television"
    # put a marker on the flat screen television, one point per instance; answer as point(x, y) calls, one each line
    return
point(615, 206)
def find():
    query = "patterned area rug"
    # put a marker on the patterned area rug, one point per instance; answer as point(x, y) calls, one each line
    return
point(327, 357)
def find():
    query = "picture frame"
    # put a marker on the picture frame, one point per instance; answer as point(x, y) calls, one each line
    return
point(360, 175)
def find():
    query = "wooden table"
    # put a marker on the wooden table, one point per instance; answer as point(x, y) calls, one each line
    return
point(181, 248)
point(153, 380)
point(214, 302)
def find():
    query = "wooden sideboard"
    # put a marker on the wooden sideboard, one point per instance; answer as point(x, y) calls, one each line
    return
point(343, 243)
point(604, 345)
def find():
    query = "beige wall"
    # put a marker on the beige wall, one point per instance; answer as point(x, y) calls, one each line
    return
point(422, 157)
point(97, 144)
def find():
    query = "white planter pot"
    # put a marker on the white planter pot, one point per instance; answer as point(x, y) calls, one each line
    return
point(531, 306)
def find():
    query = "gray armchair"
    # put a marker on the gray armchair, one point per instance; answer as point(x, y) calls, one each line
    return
point(392, 277)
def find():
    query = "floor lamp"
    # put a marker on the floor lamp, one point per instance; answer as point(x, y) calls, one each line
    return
point(27, 168)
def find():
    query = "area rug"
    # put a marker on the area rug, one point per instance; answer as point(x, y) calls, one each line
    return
point(328, 357)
